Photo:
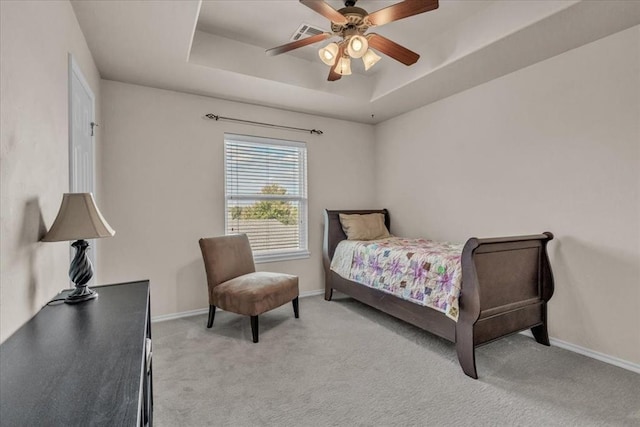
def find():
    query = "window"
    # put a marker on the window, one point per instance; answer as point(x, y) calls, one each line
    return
point(266, 195)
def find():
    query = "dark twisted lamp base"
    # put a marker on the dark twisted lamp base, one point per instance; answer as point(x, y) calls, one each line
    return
point(80, 272)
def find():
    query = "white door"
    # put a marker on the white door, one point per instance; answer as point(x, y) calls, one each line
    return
point(81, 140)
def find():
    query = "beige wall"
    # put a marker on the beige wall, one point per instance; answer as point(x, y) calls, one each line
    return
point(163, 185)
point(555, 146)
point(35, 40)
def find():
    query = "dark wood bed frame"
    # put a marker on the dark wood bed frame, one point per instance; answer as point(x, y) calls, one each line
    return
point(506, 283)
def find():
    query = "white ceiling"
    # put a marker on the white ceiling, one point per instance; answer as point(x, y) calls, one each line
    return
point(272, 23)
point(216, 48)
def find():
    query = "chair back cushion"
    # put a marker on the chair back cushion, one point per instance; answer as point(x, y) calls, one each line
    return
point(226, 257)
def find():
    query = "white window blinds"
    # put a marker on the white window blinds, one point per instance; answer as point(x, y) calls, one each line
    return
point(266, 195)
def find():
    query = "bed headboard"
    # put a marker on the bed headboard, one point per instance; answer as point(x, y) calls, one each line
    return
point(333, 233)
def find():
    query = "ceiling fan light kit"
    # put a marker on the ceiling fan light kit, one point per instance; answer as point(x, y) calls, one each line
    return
point(329, 53)
point(357, 46)
point(370, 58)
point(343, 67)
point(350, 23)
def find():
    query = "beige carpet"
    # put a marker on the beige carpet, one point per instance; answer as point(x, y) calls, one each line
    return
point(345, 364)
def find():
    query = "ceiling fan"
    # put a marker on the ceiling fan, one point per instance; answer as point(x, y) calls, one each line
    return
point(351, 23)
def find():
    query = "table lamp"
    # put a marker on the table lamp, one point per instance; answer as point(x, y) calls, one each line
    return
point(78, 219)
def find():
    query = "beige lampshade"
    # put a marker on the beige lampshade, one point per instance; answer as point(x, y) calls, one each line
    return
point(78, 218)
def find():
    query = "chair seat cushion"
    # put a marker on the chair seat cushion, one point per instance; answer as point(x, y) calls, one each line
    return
point(255, 293)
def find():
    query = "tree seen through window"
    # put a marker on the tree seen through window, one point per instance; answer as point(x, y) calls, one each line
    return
point(281, 210)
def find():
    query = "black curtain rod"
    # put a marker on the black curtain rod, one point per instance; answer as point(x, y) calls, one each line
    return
point(231, 119)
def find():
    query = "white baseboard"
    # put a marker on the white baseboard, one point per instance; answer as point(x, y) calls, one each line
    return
point(615, 361)
point(198, 312)
point(612, 360)
point(311, 293)
point(163, 317)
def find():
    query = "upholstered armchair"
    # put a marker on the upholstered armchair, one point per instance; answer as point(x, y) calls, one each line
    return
point(234, 285)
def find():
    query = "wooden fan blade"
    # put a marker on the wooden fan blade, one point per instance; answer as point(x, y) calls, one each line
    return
point(325, 10)
point(401, 10)
point(298, 43)
point(392, 49)
point(333, 76)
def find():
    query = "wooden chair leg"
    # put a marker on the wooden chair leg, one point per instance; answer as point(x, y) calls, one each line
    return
point(254, 328)
point(295, 307)
point(212, 315)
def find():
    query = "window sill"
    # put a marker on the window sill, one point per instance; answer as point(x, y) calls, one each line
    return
point(280, 256)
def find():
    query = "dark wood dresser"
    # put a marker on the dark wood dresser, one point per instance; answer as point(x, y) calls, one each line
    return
point(83, 364)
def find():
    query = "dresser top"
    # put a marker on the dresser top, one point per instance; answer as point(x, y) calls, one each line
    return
point(78, 364)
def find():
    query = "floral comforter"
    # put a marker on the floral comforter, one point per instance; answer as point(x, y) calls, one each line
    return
point(421, 271)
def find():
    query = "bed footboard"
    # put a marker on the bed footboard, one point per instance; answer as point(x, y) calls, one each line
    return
point(506, 283)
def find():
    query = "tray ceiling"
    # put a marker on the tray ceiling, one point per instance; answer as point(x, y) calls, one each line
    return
point(216, 48)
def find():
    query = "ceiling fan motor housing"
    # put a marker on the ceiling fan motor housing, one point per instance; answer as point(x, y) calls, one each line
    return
point(356, 22)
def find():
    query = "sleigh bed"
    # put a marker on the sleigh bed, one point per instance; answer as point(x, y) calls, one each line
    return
point(506, 284)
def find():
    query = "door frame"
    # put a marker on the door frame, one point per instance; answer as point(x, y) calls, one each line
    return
point(74, 70)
